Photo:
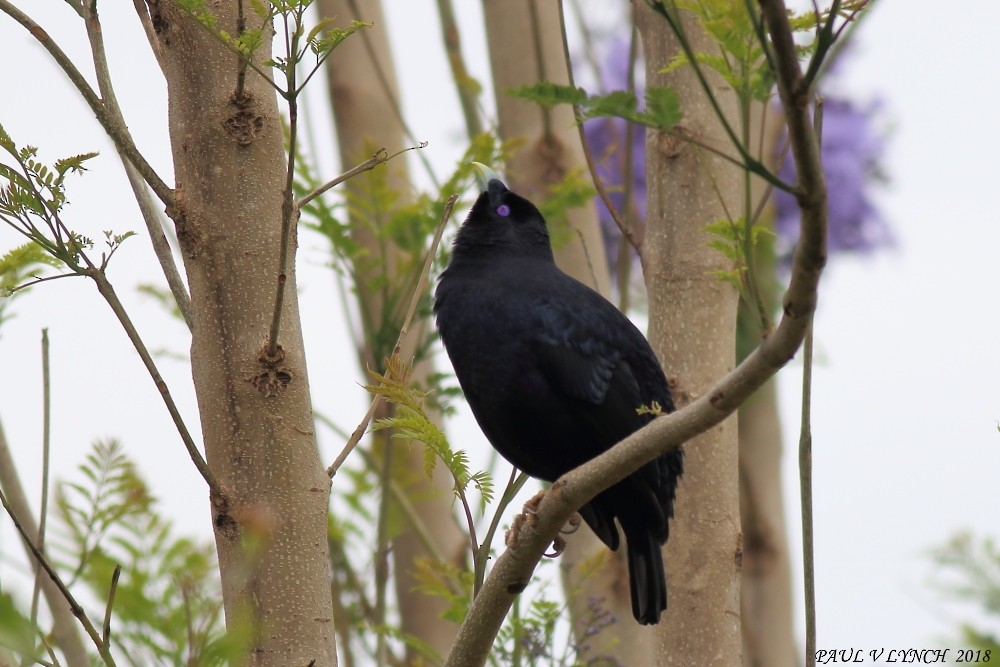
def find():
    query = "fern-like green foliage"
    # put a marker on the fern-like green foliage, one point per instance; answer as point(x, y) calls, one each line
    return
point(167, 606)
point(410, 422)
point(17, 633)
point(728, 237)
point(662, 111)
point(740, 58)
point(19, 265)
point(289, 15)
point(32, 195)
point(973, 566)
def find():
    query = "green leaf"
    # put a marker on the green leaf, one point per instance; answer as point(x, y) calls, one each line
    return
point(549, 94)
point(17, 632)
point(663, 107)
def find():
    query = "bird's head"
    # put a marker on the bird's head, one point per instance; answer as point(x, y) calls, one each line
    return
point(502, 222)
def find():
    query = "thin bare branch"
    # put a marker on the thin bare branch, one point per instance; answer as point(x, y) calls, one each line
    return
point(106, 627)
point(805, 467)
point(588, 156)
point(372, 162)
point(108, 292)
point(102, 648)
point(142, 11)
point(150, 214)
point(64, 626)
point(464, 86)
point(355, 437)
point(113, 125)
point(43, 511)
point(805, 489)
point(418, 291)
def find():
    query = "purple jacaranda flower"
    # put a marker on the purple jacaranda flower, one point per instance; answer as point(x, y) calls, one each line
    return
point(606, 139)
point(850, 154)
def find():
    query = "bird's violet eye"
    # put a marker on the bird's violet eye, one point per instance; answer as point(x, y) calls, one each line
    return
point(503, 210)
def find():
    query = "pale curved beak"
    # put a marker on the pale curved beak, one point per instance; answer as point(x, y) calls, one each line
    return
point(484, 175)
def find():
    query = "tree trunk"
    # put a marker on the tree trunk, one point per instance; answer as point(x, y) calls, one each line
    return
point(692, 329)
point(767, 587)
point(256, 413)
point(366, 117)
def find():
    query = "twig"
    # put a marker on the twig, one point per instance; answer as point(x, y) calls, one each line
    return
point(382, 553)
point(482, 554)
point(289, 212)
point(142, 11)
point(404, 330)
point(588, 156)
point(805, 488)
point(372, 162)
point(114, 126)
point(108, 292)
point(78, 611)
point(43, 512)
point(106, 628)
point(453, 47)
point(64, 626)
point(355, 438)
point(151, 216)
point(146, 207)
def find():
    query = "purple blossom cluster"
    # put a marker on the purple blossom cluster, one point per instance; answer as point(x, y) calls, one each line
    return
point(850, 154)
point(852, 148)
point(606, 138)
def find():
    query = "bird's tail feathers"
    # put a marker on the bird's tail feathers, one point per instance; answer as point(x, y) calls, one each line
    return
point(647, 579)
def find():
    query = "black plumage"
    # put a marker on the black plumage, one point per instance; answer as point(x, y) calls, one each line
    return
point(554, 375)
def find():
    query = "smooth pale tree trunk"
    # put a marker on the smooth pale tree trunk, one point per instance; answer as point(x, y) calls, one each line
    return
point(525, 47)
point(256, 413)
point(767, 591)
point(692, 328)
point(366, 120)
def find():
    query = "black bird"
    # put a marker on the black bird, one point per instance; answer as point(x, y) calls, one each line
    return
point(555, 374)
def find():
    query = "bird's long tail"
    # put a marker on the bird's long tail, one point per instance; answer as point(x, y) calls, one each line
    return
point(647, 580)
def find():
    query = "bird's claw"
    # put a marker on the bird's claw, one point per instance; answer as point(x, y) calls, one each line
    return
point(572, 525)
point(527, 517)
point(558, 547)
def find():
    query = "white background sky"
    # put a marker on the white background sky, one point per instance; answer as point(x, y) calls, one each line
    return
point(906, 398)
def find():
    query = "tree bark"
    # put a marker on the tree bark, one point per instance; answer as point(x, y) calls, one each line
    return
point(767, 587)
point(366, 115)
point(692, 328)
point(256, 412)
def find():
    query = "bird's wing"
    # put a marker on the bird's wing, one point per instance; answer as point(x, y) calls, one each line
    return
point(606, 390)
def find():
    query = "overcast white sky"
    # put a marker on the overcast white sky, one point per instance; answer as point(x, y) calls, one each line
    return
point(906, 398)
